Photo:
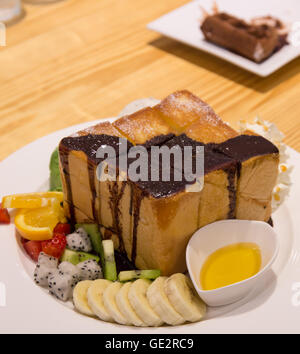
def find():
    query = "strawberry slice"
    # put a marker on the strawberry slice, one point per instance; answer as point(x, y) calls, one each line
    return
point(61, 228)
point(33, 248)
point(4, 216)
point(23, 240)
point(55, 246)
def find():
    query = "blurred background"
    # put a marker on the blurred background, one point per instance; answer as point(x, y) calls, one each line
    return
point(72, 61)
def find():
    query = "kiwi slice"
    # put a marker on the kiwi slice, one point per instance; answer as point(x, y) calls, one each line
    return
point(94, 233)
point(110, 268)
point(129, 275)
point(77, 257)
point(55, 179)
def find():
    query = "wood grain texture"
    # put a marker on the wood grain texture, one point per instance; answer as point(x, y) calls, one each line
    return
point(79, 60)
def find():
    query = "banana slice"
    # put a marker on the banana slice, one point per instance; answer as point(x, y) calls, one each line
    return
point(109, 300)
point(125, 306)
point(95, 299)
point(160, 303)
point(137, 296)
point(184, 298)
point(80, 297)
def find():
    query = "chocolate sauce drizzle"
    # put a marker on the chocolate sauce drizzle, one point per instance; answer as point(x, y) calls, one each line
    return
point(243, 147)
point(136, 218)
point(117, 214)
point(231, 173)
point(270, 222)
point(93, 191)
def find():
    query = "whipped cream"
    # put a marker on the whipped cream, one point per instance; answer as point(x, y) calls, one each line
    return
point(269, 131)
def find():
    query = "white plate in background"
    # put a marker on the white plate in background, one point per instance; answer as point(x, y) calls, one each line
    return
point(183, 25)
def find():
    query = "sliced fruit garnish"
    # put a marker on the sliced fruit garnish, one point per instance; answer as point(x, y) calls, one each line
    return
point(137, 296)
point(128, 275)
point(95, 236)
point(110, 268)
point(95, 299)
point(109, 301)
point(126, 308)
point(55, 179)
point(33, 248)
point(184, 298)
point(62, 228)
point(4, 216)
point(38, 224)
point(56, 246)
point(80, 297)
point(77, 257)
point(160, 303)
point(32, 200)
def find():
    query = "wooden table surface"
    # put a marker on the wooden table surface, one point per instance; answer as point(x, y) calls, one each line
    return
point(80, 60)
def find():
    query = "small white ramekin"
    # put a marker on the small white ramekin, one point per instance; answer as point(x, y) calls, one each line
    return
point(223, 233)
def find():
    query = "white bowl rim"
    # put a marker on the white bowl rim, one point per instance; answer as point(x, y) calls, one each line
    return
point(263, 270)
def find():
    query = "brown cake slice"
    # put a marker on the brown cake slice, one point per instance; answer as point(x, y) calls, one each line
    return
point(256, 41)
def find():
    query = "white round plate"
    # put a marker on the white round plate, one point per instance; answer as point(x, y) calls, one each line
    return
point(25, 308)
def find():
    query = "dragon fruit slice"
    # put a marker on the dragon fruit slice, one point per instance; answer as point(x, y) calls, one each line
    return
point(60, 285)
point(71, 269)
point(46, 260)
point(44, 268)
point(90, 270)
point(79, 241)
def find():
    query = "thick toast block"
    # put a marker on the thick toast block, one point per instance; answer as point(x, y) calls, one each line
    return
point(154, 220)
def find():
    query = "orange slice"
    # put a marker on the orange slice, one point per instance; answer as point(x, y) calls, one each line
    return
point(32, 200)
point(38, 224)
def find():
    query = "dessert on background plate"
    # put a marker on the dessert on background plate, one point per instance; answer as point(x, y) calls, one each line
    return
point(117, 247)
point(256, 40)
